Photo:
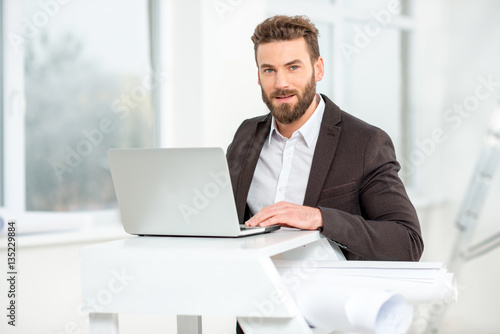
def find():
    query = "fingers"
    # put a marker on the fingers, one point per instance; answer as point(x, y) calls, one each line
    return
point(289, 215)
point(266, 214)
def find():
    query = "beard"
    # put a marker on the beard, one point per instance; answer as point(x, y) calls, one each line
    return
point(286, 113)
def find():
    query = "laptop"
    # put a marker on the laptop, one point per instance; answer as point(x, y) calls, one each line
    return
point(176, 192)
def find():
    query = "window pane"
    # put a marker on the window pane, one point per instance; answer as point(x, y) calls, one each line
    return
point(373, 79)
point(325, 41)
point(393, 6)
point(88, 88)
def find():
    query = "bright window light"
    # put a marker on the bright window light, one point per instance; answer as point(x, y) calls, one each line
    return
point(88, 87)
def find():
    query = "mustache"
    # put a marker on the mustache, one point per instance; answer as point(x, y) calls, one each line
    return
point(283, 92)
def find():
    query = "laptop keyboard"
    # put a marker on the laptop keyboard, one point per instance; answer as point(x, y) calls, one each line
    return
point(245, 227)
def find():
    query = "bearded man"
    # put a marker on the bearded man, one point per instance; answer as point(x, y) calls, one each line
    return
point(310, 165)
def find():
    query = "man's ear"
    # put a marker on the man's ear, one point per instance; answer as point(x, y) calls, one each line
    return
point(319, 69)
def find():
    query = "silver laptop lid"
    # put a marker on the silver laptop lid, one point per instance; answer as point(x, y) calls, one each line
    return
point(175, 191)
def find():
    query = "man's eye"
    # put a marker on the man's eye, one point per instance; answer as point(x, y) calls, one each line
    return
point(294, 67)
point(268, 70)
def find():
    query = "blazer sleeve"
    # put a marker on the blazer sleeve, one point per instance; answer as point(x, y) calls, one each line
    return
point(387, 227)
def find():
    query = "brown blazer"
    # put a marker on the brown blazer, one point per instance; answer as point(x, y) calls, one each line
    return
point(353, 181)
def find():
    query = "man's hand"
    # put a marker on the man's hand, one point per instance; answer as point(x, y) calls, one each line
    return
point(288, 215)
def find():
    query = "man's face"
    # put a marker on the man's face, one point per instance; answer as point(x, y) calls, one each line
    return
point(287, 78)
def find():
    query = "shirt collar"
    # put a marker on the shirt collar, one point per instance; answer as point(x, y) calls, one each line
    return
point(309, 130)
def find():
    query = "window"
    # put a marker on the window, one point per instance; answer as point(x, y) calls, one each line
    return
point(369, 71)
point(86, 84)
point(84, 94)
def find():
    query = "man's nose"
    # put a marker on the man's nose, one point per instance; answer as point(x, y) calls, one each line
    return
point(281, 81)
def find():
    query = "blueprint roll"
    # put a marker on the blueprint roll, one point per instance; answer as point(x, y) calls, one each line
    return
point(437, 286)
point(350, 308)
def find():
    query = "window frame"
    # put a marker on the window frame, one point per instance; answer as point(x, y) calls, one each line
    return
point(2, 38)
point(12, 120)
point(13, 114)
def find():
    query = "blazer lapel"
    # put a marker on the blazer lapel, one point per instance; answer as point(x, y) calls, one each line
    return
point(326, 146)
point(250, 163)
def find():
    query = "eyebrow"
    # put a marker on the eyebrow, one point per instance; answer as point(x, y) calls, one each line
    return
point(295, 61)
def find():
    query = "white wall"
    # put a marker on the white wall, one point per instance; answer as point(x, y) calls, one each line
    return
point(230, 76)
point(214, 78)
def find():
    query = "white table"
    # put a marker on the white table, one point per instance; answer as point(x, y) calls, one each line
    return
point(191, 277)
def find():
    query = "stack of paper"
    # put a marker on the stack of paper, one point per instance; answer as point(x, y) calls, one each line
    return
point(364, 296)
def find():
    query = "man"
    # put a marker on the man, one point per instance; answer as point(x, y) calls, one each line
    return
point(310, 165)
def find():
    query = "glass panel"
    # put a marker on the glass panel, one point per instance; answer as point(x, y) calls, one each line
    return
point(88, 88)
point(373, 78)
point(325, 41)
point(380, 7)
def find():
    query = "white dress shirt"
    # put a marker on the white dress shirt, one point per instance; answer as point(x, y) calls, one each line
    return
point(284, 164)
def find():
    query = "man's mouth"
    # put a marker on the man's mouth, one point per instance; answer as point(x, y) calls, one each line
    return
point(285, 97)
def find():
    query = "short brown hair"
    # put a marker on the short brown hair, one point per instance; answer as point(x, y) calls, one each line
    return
point(285, 28)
